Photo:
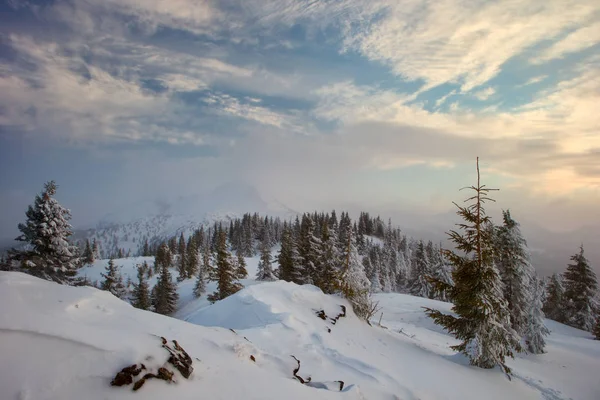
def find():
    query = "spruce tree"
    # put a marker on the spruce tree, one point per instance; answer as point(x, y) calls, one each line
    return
point(50, 255)
point(482, 320)
point(554, 305)
point(204, 270)
point(442, 272)
point(515, 270)
point(580, 292)
point(328, 273)
point(265, 267)
point(140, 297)
point(192, 258)
point(288, 258)
point(421, 270)
point(225, 272)
point(241, 271)
point(353, 282)
point(113, 281)
point(164, 293)
point(88, 255)
point(534, 329)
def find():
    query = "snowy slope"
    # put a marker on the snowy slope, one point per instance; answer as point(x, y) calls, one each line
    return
point(62, 342)
point(59, 342)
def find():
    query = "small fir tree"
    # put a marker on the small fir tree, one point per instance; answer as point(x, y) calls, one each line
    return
point(353, 281)
point(113, 281)
point(140, 297)
point(47, 231)
point(535, 330)
point(554, 306)
point(420, 284)
point(515, 269)
point(482, 320)
point(241, 271)
point(288, 258)
point(164, 293)
point(225, 272)
point(580, 292)
point(88, 254)
point(265, 267)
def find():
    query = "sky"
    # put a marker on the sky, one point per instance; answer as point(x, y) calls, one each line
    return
point(318, 104)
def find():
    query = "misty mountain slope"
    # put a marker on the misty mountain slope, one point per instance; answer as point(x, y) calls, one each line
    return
point(128, 228)
point(75, 339)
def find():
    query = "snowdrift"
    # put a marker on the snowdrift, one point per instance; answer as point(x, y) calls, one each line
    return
point(60, 342)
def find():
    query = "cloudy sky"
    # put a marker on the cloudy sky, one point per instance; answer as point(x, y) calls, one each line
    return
point(318, 104)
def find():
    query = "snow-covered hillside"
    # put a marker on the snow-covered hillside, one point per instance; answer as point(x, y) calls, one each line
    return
point(76, 339)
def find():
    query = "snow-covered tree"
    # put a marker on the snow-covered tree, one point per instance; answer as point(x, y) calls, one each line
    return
point(204, 271)
point(164, 293)
point(49, 255)
point(192, 258)
point(240, 264)
point(265, 265)
point(353, 281)
point(88, 255)
point(140, 296)
point(420, 273)
point(329, 261)
point(580, 292)
point(288, 258)
point(515, 270)
point(441, 271)
point(482, 320)
point(225, 273)
point(554, 305)
point(113, 281)
point(534, 329)
point(308, 250)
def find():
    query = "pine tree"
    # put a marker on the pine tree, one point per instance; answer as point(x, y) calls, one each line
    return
point(288, 258)
point(192, 258)
point(442, 272)
point(580, 291)
point(200, 287)
point(421, 271)
point(265, 268)
point(327, 274)
point(534, 329)
point(88, 255)
point(47, 231)
point(203, 273)
point(482, 321)
point(353, 281)
point(113, 281)
point(225, 273)
point(554, 306)
point(515, 270)
point(241, 271)
point(164, 293)
point(140, 297)
point(163, 257)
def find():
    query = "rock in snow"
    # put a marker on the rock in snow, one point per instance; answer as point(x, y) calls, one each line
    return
point(59, 342)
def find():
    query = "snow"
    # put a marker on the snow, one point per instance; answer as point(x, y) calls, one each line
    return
point(60, 342)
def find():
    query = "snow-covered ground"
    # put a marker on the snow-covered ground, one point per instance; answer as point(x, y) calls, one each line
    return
point(59, 342)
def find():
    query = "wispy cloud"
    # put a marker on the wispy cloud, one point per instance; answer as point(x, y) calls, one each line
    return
point(575, 41)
